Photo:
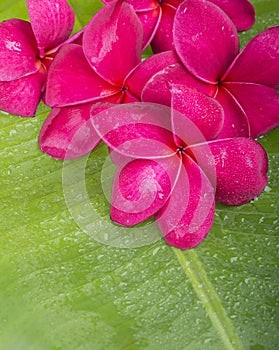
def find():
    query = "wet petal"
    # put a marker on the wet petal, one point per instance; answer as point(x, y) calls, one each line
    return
point(187, 217)
point(258, 61)
point(235, 119)
point(140, 188)
point(72, 81)
point(241, 12)
point(23, 95)
point(207, 56)
point(145, 70)
point(158, 88)
point(18, 50)
point(113, 42)
point(163, 38)
point(241, 167)
point(150, 21)
point(138, 5)
point(52, 21)
point(204, 116)
point(138, 130)
point(68, 132)
point(260, 104)
point(142, 5)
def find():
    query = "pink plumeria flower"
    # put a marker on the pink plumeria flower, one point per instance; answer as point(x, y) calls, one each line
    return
point(27, 50)
point(166, 168)
point(157, 18)
point(244, 83)
point(106, 69)
point(63, 123)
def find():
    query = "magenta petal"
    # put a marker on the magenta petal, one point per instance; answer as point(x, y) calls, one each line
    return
point(235, 120)
point(258, 61)
point(260, 104)
point(241, 12)
point(138, 130)
point(113, 42)
point(241, 167)
point(140, 188)
point(23, 95)
point(145, 70)
point(188, 216)
point(52, 22)
point(150, 21)
point(205, 39)
point(76, 38)
point(128, 98)
point(174, 3)
point(163, 38)
point(158, 88)
point(68, 133)
point(141, 5)
point(72, 81)
point(204, 116)
point(18, 50)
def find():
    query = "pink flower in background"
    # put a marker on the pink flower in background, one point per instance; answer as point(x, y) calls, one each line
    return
point(26, 51)
point(99, 70)
point(166, 169)
point(244, 83)
point(157, 18)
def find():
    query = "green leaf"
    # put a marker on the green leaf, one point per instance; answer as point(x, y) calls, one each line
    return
point(61, 289)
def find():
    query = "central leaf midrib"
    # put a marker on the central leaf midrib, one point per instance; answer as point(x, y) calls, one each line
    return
point(201, 284)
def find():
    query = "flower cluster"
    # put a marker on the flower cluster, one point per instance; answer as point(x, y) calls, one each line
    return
point(180, 125)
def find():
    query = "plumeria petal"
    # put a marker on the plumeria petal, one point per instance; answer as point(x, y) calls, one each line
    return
point(76, 38)
point(241, 12)
point(241, 167)
point(235, 119)
point(18, 50)
point(207, 56)
point(137, 130)
point(163, 38)
point(145, 70)
point(260, 104)
point(187, 217)
point(140, 188)
point(205, 113)
point(128, 98)
point(258, 61)
point(52, 22)
point(72, 81)
point(158, 88)
point(138, 5)
point(174, 3)
point(113, 42)
point(68, 133)
point(22, 96)
point(150, 20)
point(143, 5)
